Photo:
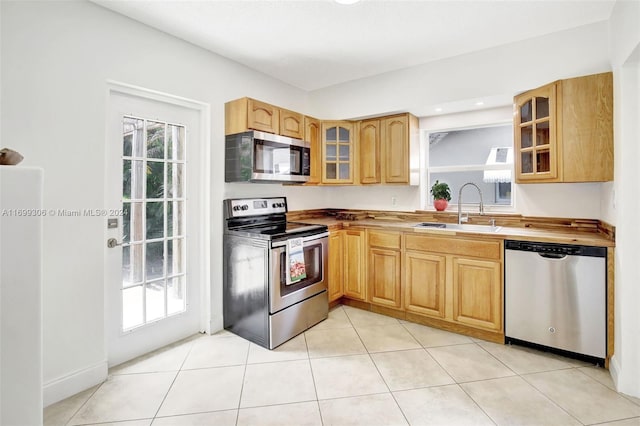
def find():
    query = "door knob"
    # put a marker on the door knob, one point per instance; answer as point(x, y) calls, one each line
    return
point(112, 242)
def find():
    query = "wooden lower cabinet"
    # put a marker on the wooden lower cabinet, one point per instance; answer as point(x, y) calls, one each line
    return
point(451, 282)
point(335, 266)
point(384, 268)
point(477, 293)
point(383, 277)
point(460, 283)
point(425, 283)
point(354, 258)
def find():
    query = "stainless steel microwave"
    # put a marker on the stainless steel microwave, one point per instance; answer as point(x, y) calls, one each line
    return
point(264, 157)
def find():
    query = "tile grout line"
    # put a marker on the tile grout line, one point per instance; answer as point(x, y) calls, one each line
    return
point(244, 375)
point(522, 378)
point(84, 403)
point(173, 382)
point(380, 374)
point(313, 378)
point(455, 382)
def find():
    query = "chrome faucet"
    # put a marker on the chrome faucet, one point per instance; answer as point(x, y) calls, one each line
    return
point(460, 219)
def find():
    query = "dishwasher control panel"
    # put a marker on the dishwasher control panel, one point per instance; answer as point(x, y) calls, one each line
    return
point(551, 248)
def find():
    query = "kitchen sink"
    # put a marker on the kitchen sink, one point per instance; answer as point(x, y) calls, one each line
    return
point(459, 227)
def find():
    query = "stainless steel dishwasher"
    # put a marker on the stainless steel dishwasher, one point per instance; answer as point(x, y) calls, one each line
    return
point(555, 297)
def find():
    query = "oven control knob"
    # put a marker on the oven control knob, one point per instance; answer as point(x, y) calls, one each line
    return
point(245, 207)
point(274, 205)
point(236, 208)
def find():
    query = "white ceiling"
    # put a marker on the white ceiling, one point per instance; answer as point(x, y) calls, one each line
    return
point(314, 44)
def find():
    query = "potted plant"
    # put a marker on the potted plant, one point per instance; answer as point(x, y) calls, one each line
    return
point(441, 195)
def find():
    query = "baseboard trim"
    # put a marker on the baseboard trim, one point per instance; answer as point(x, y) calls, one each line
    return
point(614, 369)
point(64, 387)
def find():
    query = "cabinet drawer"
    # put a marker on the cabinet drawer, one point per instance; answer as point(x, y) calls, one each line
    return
point(384, 239)
point(454, 245)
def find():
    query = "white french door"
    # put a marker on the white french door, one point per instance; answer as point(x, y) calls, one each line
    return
point(153, 257)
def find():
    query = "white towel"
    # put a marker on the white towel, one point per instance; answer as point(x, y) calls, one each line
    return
point(295, 261)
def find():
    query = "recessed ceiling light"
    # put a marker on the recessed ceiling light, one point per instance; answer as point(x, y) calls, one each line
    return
point(479, 103)
point(438, 109)
point(346, 1)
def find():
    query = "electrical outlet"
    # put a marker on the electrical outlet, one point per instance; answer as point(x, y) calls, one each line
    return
point(394, 201)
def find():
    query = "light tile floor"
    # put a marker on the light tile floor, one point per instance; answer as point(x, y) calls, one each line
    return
point(355, 368)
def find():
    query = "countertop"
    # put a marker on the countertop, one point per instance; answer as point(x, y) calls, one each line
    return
point(508, 233)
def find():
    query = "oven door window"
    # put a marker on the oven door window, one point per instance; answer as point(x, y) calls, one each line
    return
point(278, 158)
point(313, 267)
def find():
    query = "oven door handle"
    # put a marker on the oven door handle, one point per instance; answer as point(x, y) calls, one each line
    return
point(306, 239)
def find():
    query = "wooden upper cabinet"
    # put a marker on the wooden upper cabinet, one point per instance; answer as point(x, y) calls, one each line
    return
point(396, 137)
point(291, 124)
point(369, 142)
point(564, 131)
point(249, 114)
point(338, 150)
point(313, 135)
point(389, 150)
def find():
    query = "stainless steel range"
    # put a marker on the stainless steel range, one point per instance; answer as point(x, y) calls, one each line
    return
point(261, 303)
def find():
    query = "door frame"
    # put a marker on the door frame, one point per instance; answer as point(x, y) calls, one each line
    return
point(203, 154)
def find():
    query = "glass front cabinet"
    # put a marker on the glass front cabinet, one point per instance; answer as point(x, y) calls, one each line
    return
point(535, 135)
point(337, 152)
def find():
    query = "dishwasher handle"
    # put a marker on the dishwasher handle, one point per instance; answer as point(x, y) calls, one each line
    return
point(552, 255)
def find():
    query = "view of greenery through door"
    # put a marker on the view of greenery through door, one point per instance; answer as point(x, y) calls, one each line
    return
point(153, 205)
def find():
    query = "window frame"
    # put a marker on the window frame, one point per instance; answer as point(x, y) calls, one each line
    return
point(425, 187)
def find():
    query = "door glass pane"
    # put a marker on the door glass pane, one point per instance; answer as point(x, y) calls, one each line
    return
point(542, 133)
point(543, 164)
point(176, 295)
point(542, 108)
point(526, 137)
point(132, 137)
point(331, 152)
point(330, 134)
point(156, 214)
point(132, 308)
point(154, 297)
point(343, 171)
point(527, 162)
point(155, 260)
point(155, 140)
point(175, 218)
point(175, 177)
point(344, 152)
point(132, 222)
point(331, 171)
point(155, 220)
point(343, 134)
point(155, 179)
point(175, 263)
point(131, 264)
point(175, 142)
point(526, 114)
point(132, 179)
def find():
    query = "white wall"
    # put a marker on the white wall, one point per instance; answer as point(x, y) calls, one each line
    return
point(625, 58)
point(56, 58)
point(504, 70)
